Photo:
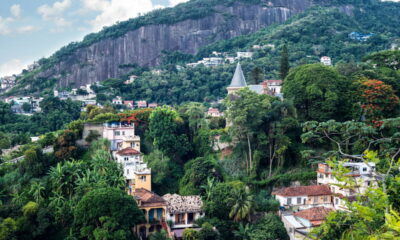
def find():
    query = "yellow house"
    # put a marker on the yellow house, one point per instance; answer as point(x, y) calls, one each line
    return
point(154, 208)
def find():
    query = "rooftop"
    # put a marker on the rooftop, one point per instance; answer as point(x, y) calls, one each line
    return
point(183, 204)
point(313, 190)
point(128, 152)
point(315, 215)
point(238, 79)
point(148, 198)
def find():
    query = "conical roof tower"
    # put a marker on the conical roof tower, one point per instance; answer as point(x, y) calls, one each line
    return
point(238, 80)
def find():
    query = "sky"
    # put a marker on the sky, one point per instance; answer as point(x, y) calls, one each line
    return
point(32, 29)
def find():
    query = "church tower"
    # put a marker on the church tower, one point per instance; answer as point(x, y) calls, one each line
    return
point(238, 81)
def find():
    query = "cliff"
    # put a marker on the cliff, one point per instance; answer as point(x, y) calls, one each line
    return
point(144, 46)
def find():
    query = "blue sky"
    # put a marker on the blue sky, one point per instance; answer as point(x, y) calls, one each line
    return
point(31, 29)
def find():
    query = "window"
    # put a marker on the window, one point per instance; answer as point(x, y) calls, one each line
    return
point(179, 218)
point(142, 178)
point(123, 133)
point(336, 201)
point(321, 176)
point(364, 169)
point(368, 183)
point(315, 199)
point(299, 200)
point(126, 158)
point(117, 133)
point(325, 198)
point(127, 171)
point(190, 217)
point(289, 201)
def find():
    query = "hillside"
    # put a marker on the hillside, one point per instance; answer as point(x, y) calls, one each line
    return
point(141, 41)
point(310, 33)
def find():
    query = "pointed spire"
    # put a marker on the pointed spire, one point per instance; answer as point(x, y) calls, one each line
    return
point(238, 79)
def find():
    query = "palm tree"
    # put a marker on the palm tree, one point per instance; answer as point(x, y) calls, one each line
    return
point(242, 204)
point(211, 183)
point(37, 191)
point(243, 232)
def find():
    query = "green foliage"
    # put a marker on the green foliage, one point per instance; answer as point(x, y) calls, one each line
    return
point(165, 128)
point(30, 208)
point(284, 63)
point(268, 228)
point(190, 234)
point(106, 211)
point(161, 235)
point(318, 92)
point(207, 232)
point(197, 171)
point(7, 228)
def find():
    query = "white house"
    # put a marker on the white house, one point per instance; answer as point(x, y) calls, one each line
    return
point(136, 172)
point(121, 135)
point(117, 100)
point(363, 175)
point(327, 61)
point(182, 211)
point(240, 55)
point(299, 224)
point(303, 197)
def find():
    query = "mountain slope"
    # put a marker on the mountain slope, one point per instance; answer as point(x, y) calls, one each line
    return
point(141, 41)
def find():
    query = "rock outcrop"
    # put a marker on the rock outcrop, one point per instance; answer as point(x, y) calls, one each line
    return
point(143, 46)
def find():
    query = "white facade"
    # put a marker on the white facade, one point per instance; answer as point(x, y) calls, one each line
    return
point(363, 176)
point(132, 165)
point(121, 135)
point(297, 228)
point(183, 211)
point(327, 61)
point(240, 55)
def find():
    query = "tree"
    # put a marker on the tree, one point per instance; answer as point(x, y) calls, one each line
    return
point(318, 93)
point(8, 227)
point(245, 115)
point(207, 232)
point(161, 235)
point(166, 132)
point(26, 107)
point(257, 75)
point(107, 209)
point(244, 231)
point(284, 62)
point(242, 202)
point(65, 146)
point(190, 234)
point(378, 101)
point(269, 227)
point(197, 171)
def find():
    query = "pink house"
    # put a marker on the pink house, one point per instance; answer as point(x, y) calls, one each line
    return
point(214, 112)
point(141, 104)
point(129, 104)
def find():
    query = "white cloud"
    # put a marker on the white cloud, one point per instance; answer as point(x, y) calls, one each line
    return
point(55, 13)
point(15, 10)
point(11, 67)
point(48, 12)
point(176, 2)
point(4, 25)
point(112, 11)
point(27, 29)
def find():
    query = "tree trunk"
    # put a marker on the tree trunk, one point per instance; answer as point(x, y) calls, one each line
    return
point(250, 154)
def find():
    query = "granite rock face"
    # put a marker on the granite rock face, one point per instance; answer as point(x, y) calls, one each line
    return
point(143, 46)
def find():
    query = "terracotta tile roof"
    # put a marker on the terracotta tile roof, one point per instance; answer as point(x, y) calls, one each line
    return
point(128, 152)
point(315, 215)
point(183, 204)
point(314, 190)
point(148, 198)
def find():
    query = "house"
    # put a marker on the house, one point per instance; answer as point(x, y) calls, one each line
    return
point(363, 175)
point(214, 112)
point(153, 105)
point(141, 104)
point(121, 135)
point(303, 197)
point(362, 37)
point(154, 208)
point(182, 212)
point(7, 82)
point(240, 55)
point(129, 104)
point(117, 100)
point(327, 61)
point(299, 224)
point(131, 79)
point(136, 172)
point(274, 87)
